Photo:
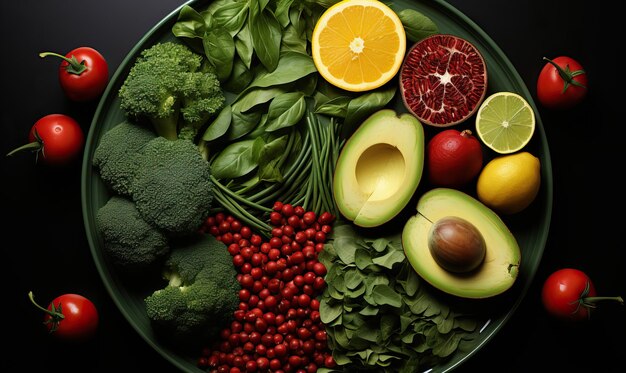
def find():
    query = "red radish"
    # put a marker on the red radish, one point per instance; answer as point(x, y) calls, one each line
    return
point(453, 158)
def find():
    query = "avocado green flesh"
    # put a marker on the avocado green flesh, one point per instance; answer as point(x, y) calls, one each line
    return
point(499, 269)
point(379, 168)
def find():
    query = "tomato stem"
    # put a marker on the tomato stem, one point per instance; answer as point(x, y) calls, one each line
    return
point(56, 313)
point(34, 146)
point(567, 75)
point(73, 67)
point(591, 301)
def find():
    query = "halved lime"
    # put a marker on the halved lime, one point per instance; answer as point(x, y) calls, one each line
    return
point(505, 122)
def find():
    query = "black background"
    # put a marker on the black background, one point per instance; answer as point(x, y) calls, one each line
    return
point(44, 235)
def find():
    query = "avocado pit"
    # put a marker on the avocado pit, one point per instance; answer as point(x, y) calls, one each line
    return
point(456, 244)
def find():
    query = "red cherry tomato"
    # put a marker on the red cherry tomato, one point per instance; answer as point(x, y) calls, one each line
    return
point(569, 294)
point(562, 83)
point(70, 317)
point(83, 74)
point(56, 138)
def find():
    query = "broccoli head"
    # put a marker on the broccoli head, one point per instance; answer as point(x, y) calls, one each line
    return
point(128, 240)
point(172, 188)
point(115, 155)
point(167, 81)
point(202, 292)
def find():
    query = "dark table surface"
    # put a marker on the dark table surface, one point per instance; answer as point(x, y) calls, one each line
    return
point(46, 243)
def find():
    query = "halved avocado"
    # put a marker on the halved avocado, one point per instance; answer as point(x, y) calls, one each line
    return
point(379, 168)
point(500, 266)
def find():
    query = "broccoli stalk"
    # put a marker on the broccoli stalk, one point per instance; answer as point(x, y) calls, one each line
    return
point(201, 294)
point(172, 87)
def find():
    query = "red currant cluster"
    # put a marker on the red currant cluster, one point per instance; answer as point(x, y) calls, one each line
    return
point(277, 327)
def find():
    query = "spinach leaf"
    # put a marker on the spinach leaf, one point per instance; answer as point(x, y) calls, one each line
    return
point(387, 321)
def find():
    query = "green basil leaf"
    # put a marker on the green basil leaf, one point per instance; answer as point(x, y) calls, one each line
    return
point(219, 126)
point(336, 107)
point(266, 35)
point(237, 159)
point(269, 157)
point(291, 67)
point(243, 44)
point(189, 24)
point(219, 48)
point(230, 15)
point(240, 77)
point(365, 105)
point(285, 111)
point(416, 25)
point(242, 123)
point(282, 11)
point(253, 98)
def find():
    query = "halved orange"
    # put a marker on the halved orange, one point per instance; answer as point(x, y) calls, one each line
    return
point(358, 45)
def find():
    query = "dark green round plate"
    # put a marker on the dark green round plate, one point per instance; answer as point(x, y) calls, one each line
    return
point(530, 227)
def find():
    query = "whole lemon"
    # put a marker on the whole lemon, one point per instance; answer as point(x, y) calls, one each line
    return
point(508, 184)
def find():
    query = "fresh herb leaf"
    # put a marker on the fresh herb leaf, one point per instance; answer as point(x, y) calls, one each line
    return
point(416, 25)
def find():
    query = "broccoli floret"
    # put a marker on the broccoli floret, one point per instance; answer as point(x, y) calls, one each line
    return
point(169, 81)
point(172, 187)
point(129, 241)
point(115, 155)
point(202, 292)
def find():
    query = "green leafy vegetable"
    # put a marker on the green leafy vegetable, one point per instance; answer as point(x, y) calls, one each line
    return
point(416, 25)
point(377, 314)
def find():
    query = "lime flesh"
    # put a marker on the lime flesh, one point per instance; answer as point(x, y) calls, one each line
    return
point(505, 122)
